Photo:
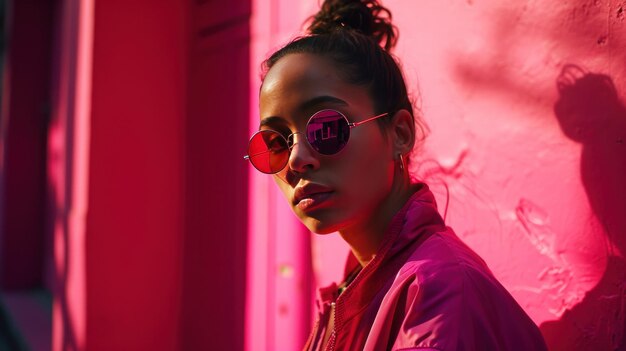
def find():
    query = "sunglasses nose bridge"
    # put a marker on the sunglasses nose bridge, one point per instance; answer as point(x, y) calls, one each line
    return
point(291, 139)
point(302, 157)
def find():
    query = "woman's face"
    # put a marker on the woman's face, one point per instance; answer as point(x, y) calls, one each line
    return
point(327, 193)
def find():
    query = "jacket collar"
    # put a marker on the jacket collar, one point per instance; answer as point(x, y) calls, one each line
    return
point(408, 228)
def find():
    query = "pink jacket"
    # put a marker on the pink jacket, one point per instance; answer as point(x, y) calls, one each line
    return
point(424, 290)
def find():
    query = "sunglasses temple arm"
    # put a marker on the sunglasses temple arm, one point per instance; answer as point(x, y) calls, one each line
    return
point(247, 157)
point(356, 124)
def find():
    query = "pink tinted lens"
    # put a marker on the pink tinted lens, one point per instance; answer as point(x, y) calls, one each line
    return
point(268, 151)
point(328, 132)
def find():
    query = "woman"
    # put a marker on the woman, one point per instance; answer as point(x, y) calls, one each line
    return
point(337, 129)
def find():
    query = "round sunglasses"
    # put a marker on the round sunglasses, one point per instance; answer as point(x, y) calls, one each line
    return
point(327, 131)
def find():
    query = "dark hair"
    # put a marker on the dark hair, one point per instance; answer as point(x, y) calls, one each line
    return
point(358, 36)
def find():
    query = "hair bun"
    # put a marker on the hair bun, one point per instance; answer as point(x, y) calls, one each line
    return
point(365, 16)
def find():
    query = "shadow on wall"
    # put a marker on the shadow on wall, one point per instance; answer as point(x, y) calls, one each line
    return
point(57, 204)
point(589, 112)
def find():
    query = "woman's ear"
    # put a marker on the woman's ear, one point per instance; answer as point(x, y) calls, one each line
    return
point(402, 132)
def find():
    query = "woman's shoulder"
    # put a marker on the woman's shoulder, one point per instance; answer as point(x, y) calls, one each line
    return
point(448, 277)
point(446, 291)
point(443, 256)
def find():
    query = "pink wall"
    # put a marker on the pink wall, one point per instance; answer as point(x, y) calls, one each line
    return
point(67, 171)
point(149, 206)
point(525, 102)
point(147, 193)
point(216, 179)
point(133, 261)
point(528, 129)
point(115, 174)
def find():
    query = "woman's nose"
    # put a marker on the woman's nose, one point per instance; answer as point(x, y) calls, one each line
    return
point(302, 158)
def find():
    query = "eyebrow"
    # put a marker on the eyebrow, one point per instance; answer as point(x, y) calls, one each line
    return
point(272, 120)
point(318, 100)
point(307, 105)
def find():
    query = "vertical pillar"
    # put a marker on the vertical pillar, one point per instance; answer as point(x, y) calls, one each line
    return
point(119, 226)
point(216, 203)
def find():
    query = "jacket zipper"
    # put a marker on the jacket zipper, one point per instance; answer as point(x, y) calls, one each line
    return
point(330, 345)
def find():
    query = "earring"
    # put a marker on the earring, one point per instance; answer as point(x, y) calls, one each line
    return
point(401, 163)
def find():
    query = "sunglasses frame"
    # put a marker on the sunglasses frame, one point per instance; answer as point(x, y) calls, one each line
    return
point(290, 146)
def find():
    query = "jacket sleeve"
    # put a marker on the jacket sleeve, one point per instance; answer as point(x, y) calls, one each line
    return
point(461, 308)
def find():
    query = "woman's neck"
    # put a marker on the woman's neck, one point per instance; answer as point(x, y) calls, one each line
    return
point(366, 236)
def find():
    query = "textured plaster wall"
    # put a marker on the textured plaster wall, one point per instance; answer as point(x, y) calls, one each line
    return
point(525, 101)
point(527, 150)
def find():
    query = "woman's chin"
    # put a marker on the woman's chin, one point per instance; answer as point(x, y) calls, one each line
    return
point(320, 226)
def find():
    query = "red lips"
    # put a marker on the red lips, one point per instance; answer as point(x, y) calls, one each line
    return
point(308, 191)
